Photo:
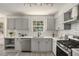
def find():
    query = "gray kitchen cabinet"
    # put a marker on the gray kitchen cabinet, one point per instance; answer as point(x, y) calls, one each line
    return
point(48, 45)
point(18, 23)
point(11, 23)
point(41, 45)
point(50, 24)
point(24, 24)
point(14, 23)
point(45, 45)
point(18, 44)
point(25, 44)
point(75, 11)
point(34, 45)
point(21, 24)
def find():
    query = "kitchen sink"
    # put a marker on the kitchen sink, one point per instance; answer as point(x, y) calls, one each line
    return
point(43, 37)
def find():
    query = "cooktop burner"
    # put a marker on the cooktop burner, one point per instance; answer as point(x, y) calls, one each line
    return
point(69, 43)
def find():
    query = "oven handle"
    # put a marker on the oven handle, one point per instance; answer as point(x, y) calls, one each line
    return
point(64, 50)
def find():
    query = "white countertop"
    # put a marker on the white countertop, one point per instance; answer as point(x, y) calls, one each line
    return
point(55, 38)
point(76, 50)
point(20, 37)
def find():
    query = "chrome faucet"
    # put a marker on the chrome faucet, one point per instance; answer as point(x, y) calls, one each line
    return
point(39, 33)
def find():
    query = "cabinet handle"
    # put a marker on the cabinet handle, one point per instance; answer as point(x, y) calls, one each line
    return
point(38, 41)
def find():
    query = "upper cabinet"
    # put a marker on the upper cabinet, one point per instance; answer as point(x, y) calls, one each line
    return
point(50, 23)
point(72, 15)
point(67, 15)
point(10, 23)
point(25, 24)
point(17, 23)
point(75, 11)
point(21, 23)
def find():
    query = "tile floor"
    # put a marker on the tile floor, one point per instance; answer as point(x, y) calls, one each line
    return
point(26, 54)
point(15, 53)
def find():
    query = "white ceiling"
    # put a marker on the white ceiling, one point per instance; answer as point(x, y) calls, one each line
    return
point(23, 9)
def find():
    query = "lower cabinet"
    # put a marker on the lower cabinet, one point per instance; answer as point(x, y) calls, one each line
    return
point(37, 44)
point(18, 44)
point(41, 45)
point(45, 45)
point(23, 44)
point(34, 45)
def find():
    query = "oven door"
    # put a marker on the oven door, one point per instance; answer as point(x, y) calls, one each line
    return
point(60, 52)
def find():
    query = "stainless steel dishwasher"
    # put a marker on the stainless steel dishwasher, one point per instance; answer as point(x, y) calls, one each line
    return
point(26, 44)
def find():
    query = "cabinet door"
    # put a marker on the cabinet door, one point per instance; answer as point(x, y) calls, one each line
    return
point(11, 23)
point(48, 45)
point(34, 45)
point(75, 11)
point(24, 24)
point(42, 45)
point(50, 24)
point(17, 44)
point(45, 45)
point(18, 22)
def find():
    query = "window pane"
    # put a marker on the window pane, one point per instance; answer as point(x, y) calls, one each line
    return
point(37, 26)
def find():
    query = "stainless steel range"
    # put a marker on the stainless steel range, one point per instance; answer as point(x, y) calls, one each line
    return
point(64, 47)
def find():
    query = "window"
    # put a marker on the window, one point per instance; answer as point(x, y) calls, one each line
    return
point(37, 26)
